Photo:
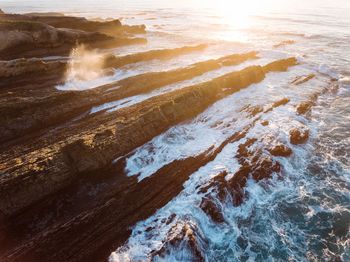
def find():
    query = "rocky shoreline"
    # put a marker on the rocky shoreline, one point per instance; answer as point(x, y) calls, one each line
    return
point(53, 149)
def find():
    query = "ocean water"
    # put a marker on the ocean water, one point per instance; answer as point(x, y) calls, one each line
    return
point(303, 215)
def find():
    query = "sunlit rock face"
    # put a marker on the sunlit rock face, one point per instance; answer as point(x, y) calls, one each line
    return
point(298, 136)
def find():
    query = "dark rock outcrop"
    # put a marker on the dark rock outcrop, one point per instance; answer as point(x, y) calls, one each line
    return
point(27, 36)
point(114, 61)
point(51, 160)
point(304, 107)
point(252, 110)
point(254, 164)
point(281, 102)
point(211, 209)
point(298, 136)
point(111, 26)
point(41, 168)
point(280, 65)
point(149, 119)
point(53, 152)
point(9, 70)
point(26, 106)
point(265, 123)
point(184, 235)
point(281, 150)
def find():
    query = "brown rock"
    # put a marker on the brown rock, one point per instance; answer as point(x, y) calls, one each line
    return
point(281, 150)
point(145, 119)
point(184, 234)
point(59, 158)
point(280, 65)
point(82, 157)
point(110, 26)
point(264, 169)
point(22, 36)
point(19, 67)
point(298, 136)
point(265, 123)
point(278, 103)
point(26, 106)
point(253, 110)
point(281, 102)
point(212, 210)
point(304, 107)
point(44, 14)
point(103, 224)
point(115, 61)
point(253, 162)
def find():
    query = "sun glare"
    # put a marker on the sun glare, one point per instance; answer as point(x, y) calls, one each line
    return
point(237, 13)
point(237, 16)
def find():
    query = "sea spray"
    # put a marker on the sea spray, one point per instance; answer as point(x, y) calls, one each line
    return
point(84, 64)
point(85, 69)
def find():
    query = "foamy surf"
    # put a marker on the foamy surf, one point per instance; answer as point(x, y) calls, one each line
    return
point(273, 222)
point(212, 127)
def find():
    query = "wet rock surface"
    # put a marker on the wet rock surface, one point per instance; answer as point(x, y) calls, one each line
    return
point(211, 209)
point(23, 67)
point(304, 107)
point(25, 105)
point(28, 36)
point(149, 119)
point(184, 233)
point(298, 136)
point(86, 150)
point(281, 150)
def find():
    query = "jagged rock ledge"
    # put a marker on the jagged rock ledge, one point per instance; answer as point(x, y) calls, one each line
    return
point(25, 110)
point(14, 71)
point(92, 144)
point(34, 172)
point(39, 36)
point(27, 107)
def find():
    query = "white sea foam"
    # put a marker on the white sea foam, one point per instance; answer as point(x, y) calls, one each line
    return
point(265, 199)
point(214, 125)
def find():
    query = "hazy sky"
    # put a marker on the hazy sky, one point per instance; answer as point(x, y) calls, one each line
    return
point(264, 5)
